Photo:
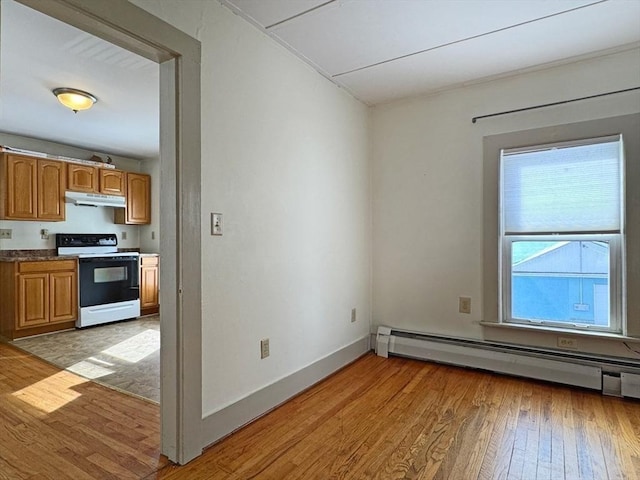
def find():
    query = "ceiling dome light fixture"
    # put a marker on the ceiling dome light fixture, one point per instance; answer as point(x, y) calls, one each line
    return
point(74, 99)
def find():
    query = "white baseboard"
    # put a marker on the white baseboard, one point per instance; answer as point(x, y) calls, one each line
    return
point(223, 422)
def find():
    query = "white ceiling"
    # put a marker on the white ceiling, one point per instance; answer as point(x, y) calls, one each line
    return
point(383, 50)
point(379, 50)
point(38, 54)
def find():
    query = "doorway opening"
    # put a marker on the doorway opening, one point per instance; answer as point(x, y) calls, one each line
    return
point(178, 55)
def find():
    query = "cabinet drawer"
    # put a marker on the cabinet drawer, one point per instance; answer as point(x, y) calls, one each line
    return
point(46, 266)
point(149, 260)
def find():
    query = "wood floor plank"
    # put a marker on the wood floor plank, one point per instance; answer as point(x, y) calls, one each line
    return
point(477, 433)
point(367, 449)
point(398, 422)
point(602, 435)
point(545, 438)
point(571, 447)
point(495, 464)
point(435, 445)
point(391, 462)
point(377, 419)
point(620, 416)
point(585, 453)
point(559, 397)
point(54, 424)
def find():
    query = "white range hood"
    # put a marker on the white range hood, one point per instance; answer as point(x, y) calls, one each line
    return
point(95, 199)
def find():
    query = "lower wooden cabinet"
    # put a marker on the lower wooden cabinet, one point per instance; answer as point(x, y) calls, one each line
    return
point(149, 283)
point(38, 297)
point(33, 300)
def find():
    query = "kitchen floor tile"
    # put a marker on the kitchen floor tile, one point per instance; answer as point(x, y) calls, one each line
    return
point(123, 355)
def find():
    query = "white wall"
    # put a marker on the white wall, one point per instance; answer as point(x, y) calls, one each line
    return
point(285, 159)
point(79, 219)
point(427, 189)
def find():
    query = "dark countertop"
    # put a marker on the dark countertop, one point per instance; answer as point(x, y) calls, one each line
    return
point(27, 255)
point(43, 255)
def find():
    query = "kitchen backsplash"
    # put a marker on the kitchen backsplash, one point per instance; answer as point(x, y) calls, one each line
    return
point(26, 235)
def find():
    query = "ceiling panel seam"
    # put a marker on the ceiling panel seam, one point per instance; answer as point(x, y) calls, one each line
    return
point(400, 57)
point(298, 15)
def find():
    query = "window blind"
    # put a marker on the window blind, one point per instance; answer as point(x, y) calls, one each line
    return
point(568, 188)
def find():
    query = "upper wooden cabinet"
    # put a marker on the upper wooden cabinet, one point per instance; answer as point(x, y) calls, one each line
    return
point(82, 178)
point(85, 178)
point(112, 181)
point(138, 193)
point(31, 188)
point(51, 190)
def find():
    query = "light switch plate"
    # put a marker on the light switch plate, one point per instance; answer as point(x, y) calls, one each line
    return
point(264, 348)
point(216, 224)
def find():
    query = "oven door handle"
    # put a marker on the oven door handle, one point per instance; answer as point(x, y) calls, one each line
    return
point(107, 260)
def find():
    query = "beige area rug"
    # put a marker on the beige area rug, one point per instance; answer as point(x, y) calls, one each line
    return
point(123, 355)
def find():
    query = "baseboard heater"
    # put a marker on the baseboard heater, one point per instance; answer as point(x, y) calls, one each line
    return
point(621, 376)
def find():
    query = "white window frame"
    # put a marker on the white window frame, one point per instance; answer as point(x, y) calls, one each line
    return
point(616, 240)
point(615, 281)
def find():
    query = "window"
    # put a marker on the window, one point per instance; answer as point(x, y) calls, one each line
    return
point(562, 235)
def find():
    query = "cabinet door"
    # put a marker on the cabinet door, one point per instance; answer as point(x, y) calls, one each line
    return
point(148, 286)
point(21, 187)
point(63, 294)
point(138, 211)
point(33, 299)
point(111, 182)
point(82, 178)
point(51, 183)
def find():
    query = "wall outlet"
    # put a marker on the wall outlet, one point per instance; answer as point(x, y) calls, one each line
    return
point(353, 314)
point(264, 348)
point(153, 235)
point(44, 234)
point(5, 233)
point(564, 342)
point(464, 304)
point(124, 235)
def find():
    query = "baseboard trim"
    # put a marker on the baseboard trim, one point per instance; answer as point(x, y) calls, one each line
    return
point(226, 421)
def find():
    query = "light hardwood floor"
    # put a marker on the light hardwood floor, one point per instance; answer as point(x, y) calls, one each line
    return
point(404, 419)
point(376, 419)
point(56, 425)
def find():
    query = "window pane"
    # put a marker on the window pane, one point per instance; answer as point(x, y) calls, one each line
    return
point(562, 281)
point(569, 189)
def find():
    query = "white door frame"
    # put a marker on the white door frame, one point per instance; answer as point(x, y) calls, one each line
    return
point(178, 54)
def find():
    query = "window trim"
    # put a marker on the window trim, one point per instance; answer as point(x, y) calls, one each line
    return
point(617, 321)
point(628, 125)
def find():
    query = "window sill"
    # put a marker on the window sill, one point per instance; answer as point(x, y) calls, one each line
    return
point(566, 331)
